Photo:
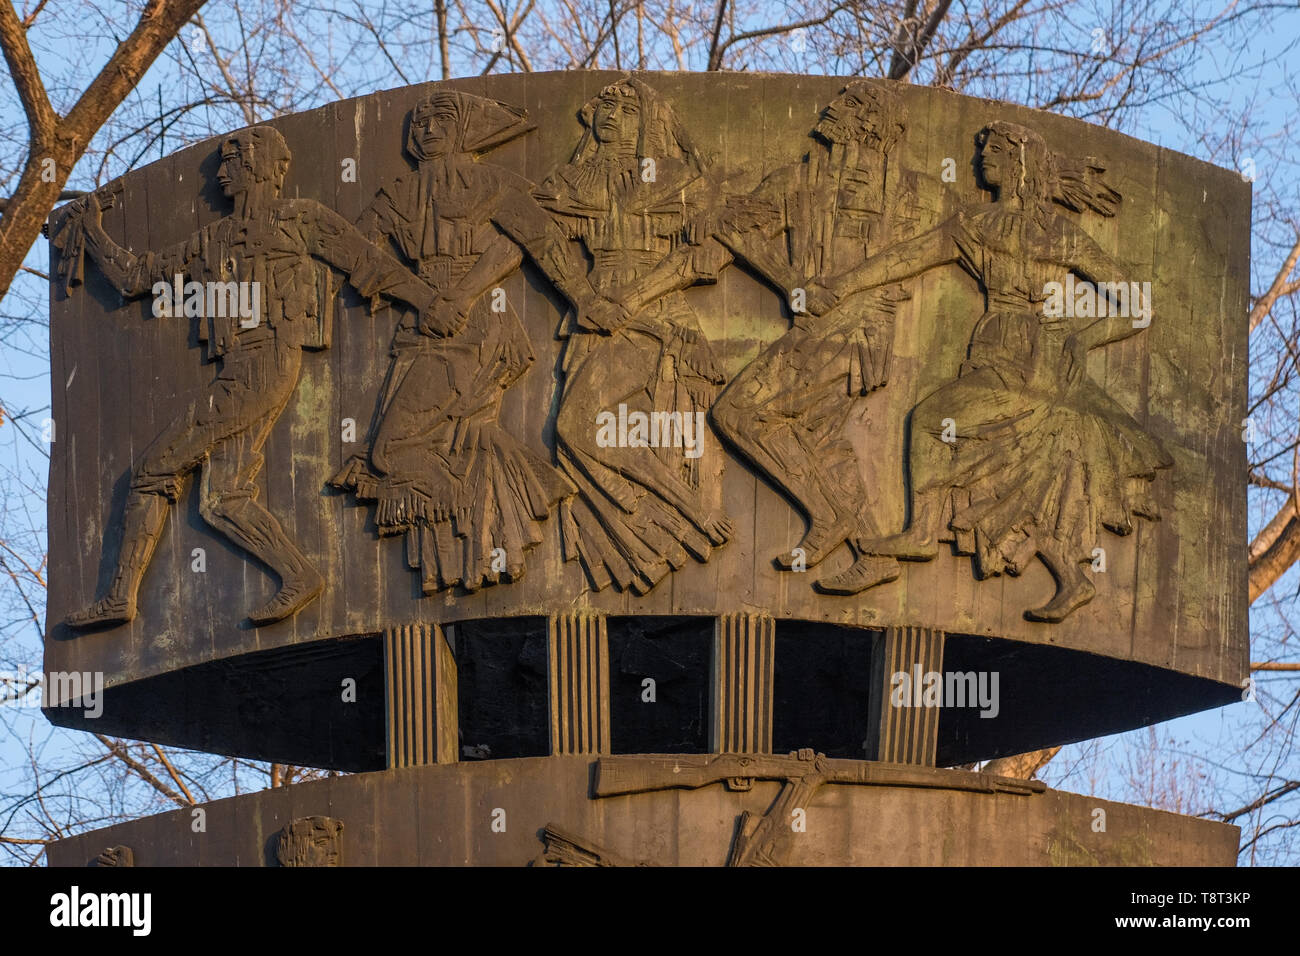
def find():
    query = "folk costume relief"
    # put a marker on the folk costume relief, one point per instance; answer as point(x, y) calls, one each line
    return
point(468, 495)
point(848, 198)
point(644, 509)
point(1021, 456)
point(634, 197)
point(1040, 458)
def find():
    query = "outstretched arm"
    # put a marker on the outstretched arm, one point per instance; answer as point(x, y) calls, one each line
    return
point(698, 257)
point(684, 266)
point(527, 222)
point(1088, 260)
point(900, 261)
point(380, 220)
point(752, 227)
point(371, 270)
point(449, 315)
point(130, 274)
point(534, 230)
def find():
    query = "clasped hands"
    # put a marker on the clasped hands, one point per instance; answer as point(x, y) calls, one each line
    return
point(603, 315)
point(448, 315)
point(819, 297)
point(445, 317)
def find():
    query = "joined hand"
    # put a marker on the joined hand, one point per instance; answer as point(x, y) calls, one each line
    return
point(819, 297)
point(604, 315)
point(446, 317)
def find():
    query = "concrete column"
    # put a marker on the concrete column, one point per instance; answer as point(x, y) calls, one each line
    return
point(741, 699)
point(420, 699)
point(909, 733)
point(578, 671)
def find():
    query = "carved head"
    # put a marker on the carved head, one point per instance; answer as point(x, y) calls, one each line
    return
point(863, 113)
point(628, 117)
point(116, 856)
point(616, 119)
point(434, 128)
point(453, 122)
point(253, 155)
point(311, 841)
point(1015, 160)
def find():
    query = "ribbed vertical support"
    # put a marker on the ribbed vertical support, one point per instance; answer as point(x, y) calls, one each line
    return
point(903, 729)
point(743, 657)
point(420, 698)
point(578, 672)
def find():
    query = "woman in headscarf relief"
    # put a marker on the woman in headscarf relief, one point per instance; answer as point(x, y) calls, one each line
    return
point(468, 495)
point(1042, 457)
point(632, 196)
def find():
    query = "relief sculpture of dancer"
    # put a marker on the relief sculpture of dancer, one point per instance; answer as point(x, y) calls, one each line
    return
point(468, 495)
point(276, 250)
point(632, 196)
point(849, 198)
point(1039, 457)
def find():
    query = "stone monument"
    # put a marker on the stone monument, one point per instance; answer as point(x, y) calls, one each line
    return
point(650, 469)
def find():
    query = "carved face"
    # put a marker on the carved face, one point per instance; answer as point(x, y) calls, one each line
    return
point(436, 132)
point(617, 120)
point(999, 158)
point(850, 118)
point(324, 846)
point(235, 174)
point(310, 841)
